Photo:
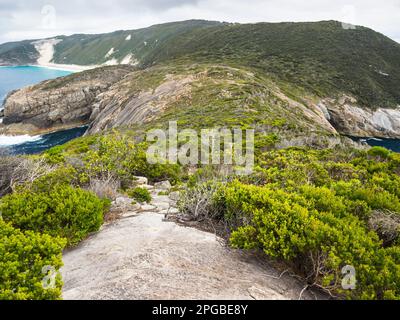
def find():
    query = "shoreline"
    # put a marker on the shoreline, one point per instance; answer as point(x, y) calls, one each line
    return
point(53, 66)
point(14, 132)
point(20, 139)
point(64, 67)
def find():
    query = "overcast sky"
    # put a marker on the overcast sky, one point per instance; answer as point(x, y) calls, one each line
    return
point(30, 19)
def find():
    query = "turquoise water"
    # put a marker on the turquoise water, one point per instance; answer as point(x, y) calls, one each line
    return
point(12, 78)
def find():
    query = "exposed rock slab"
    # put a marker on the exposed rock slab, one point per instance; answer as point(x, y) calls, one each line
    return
point(350, 119)
point(143, 257)
point(119, 107)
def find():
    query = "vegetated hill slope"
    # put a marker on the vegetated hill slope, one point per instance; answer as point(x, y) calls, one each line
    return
point(98, 49)
point(195, 95)
point(323, 57)
point(18, 53)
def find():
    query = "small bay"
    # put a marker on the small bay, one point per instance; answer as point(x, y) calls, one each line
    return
point(12, 78)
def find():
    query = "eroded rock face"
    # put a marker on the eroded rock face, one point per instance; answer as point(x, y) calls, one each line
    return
point(57, 104)
point(119, 107)
point(350, 119)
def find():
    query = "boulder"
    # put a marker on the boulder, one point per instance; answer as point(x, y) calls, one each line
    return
point(174, 196)
point(123, 204)
point(140, 181)
point(148, 207)
point(163, 185)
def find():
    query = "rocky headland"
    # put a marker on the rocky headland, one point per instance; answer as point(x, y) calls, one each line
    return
point(115, 96)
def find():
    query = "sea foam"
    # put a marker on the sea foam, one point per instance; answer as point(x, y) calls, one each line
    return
point(6, 141)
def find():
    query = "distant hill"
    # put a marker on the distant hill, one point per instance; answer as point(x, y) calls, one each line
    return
point(322, 58)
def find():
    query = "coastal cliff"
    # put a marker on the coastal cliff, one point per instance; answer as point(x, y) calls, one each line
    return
point(57, 104)
point(122, 96)
point(313, 203)
point(301, 74)
point(349, 118)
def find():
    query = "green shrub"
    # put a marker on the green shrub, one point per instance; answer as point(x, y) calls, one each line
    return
point(55, 155)
point(23, 255)
point(379, 152)
point(140, 194)
point(374, 196)
point(119, 155)
point(313, 232)
point(63, 211)
point(65, 175)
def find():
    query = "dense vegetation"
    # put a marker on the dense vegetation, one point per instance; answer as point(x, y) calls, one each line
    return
point(18, 53)
point(318, 211)
point(63, 211)
point(23, 255)
point(46, 212)
point(317, 208)
point(93, 49)
point(323, 57)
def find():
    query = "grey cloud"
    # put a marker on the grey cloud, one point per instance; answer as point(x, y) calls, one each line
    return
point(21, 19)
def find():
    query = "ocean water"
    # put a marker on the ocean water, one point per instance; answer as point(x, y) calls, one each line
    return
point(12, 78)
point(38, 144)
point(391, 144)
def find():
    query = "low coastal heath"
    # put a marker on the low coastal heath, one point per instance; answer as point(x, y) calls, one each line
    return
point(206, 309)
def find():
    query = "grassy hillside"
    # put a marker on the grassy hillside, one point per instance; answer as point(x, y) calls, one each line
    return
point(17, 53)
point(322, 57)
point(95, 49)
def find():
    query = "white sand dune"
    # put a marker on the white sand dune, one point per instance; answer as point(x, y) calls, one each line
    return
point(46, 52)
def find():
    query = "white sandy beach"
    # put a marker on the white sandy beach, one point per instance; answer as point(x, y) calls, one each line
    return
point(65, 67)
